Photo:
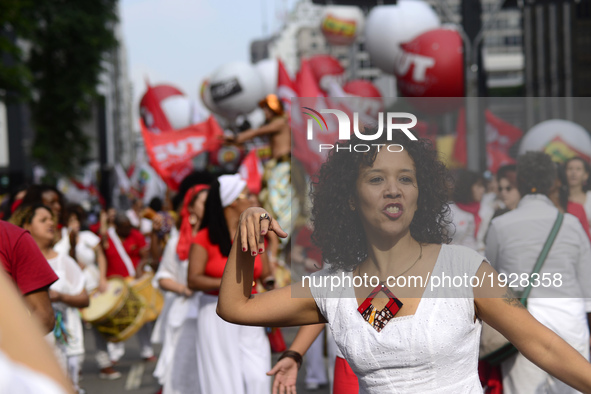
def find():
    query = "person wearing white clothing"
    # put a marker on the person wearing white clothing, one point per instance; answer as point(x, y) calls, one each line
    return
point(577, 177)
point(514, 242)
point(176, 325)
point(66, 294)
point(470, 218)
point(380, 220)
point(231, 358)
point(27, 363)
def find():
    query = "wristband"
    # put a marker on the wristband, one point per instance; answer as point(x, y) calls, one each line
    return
point(293, 355)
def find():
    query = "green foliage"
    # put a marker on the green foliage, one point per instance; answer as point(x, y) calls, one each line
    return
point(69, 40)
point(15, 76)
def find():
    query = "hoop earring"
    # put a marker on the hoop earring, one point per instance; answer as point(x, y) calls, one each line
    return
point(193, 219)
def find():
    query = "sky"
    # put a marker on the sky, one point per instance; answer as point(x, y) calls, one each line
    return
point(181, 42)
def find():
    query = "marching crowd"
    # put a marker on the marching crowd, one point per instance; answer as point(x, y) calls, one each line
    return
point(378, 213)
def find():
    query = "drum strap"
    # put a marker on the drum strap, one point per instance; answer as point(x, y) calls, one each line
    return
point(121, 251)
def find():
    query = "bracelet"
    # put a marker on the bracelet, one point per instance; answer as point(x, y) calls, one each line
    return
point(293, 355)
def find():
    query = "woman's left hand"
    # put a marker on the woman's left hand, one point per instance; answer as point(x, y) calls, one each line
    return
point(254, 224)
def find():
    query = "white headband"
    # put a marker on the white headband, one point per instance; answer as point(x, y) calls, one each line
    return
point(230, 188)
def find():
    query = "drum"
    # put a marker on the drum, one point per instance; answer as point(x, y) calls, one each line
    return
point(118, 313)
point(152, 298)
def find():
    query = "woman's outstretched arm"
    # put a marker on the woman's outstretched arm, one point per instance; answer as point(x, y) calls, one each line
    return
point(288, 306)
point(498, 306)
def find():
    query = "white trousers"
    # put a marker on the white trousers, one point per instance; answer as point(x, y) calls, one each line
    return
point(231, 359)
point(314, 360)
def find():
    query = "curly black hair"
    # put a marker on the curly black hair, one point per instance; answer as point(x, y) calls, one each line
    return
point(338, 231)
point(536, 173)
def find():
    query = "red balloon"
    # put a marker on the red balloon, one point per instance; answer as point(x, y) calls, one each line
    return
point(362, 88)
point(325, 65)
point(432, 65)
point(370, 101)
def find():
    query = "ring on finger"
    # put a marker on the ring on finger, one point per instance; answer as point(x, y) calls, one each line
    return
point(265, 216)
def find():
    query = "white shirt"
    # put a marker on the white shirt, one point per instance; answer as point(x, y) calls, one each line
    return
point(514, 242)
point(433, 351)
point(463, 225)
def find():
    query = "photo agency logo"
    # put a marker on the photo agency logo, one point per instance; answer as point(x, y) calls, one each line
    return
point(344, 132)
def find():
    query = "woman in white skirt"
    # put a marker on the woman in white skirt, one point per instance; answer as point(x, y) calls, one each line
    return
point(176, 325)
point(230, 358)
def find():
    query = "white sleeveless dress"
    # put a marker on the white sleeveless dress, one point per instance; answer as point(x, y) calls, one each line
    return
point(433, 351)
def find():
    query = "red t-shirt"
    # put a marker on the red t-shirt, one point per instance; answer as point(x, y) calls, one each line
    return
point(22, 259)
point(134, 242)
point(216, 261)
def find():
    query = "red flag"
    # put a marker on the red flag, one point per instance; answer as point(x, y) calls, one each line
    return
point(151, 111)
point(426, 130)
point(500, 135)
point(310, 96)
point(286, 89)
point(251, 169)
point(171, 154)
point(460, 149)
point(495, 158)
point(306, 82)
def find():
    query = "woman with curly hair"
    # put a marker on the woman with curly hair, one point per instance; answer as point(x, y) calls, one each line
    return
point(380, 219)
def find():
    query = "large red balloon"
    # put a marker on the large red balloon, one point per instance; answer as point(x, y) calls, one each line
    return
point(432, 65)
point(370, 101)
point(323, 65)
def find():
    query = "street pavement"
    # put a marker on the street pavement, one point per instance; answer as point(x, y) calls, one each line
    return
point(137, 375)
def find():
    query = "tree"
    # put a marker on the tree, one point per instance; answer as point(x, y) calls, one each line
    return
point(68, 42)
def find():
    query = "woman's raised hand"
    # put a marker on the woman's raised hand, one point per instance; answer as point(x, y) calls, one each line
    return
point(254, 224)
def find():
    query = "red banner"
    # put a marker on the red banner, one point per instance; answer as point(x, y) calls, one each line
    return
point(251, 169)
point(500, 135)
point(171, 154)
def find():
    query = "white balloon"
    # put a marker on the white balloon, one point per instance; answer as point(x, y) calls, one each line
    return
point(539, 136)
point(389, 26)
point(267, 69)
point(236, 88)
point(341, 24)
point(205, 95)
point(178, 111)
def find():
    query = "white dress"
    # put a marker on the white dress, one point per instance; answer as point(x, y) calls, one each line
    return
point(71, 282)
point(85, 255)
point(176, 327)
point(433, 351)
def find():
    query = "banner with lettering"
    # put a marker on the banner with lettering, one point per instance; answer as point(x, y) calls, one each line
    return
point(171, 154)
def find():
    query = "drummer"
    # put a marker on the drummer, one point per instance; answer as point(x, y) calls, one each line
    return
point(126, 251)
